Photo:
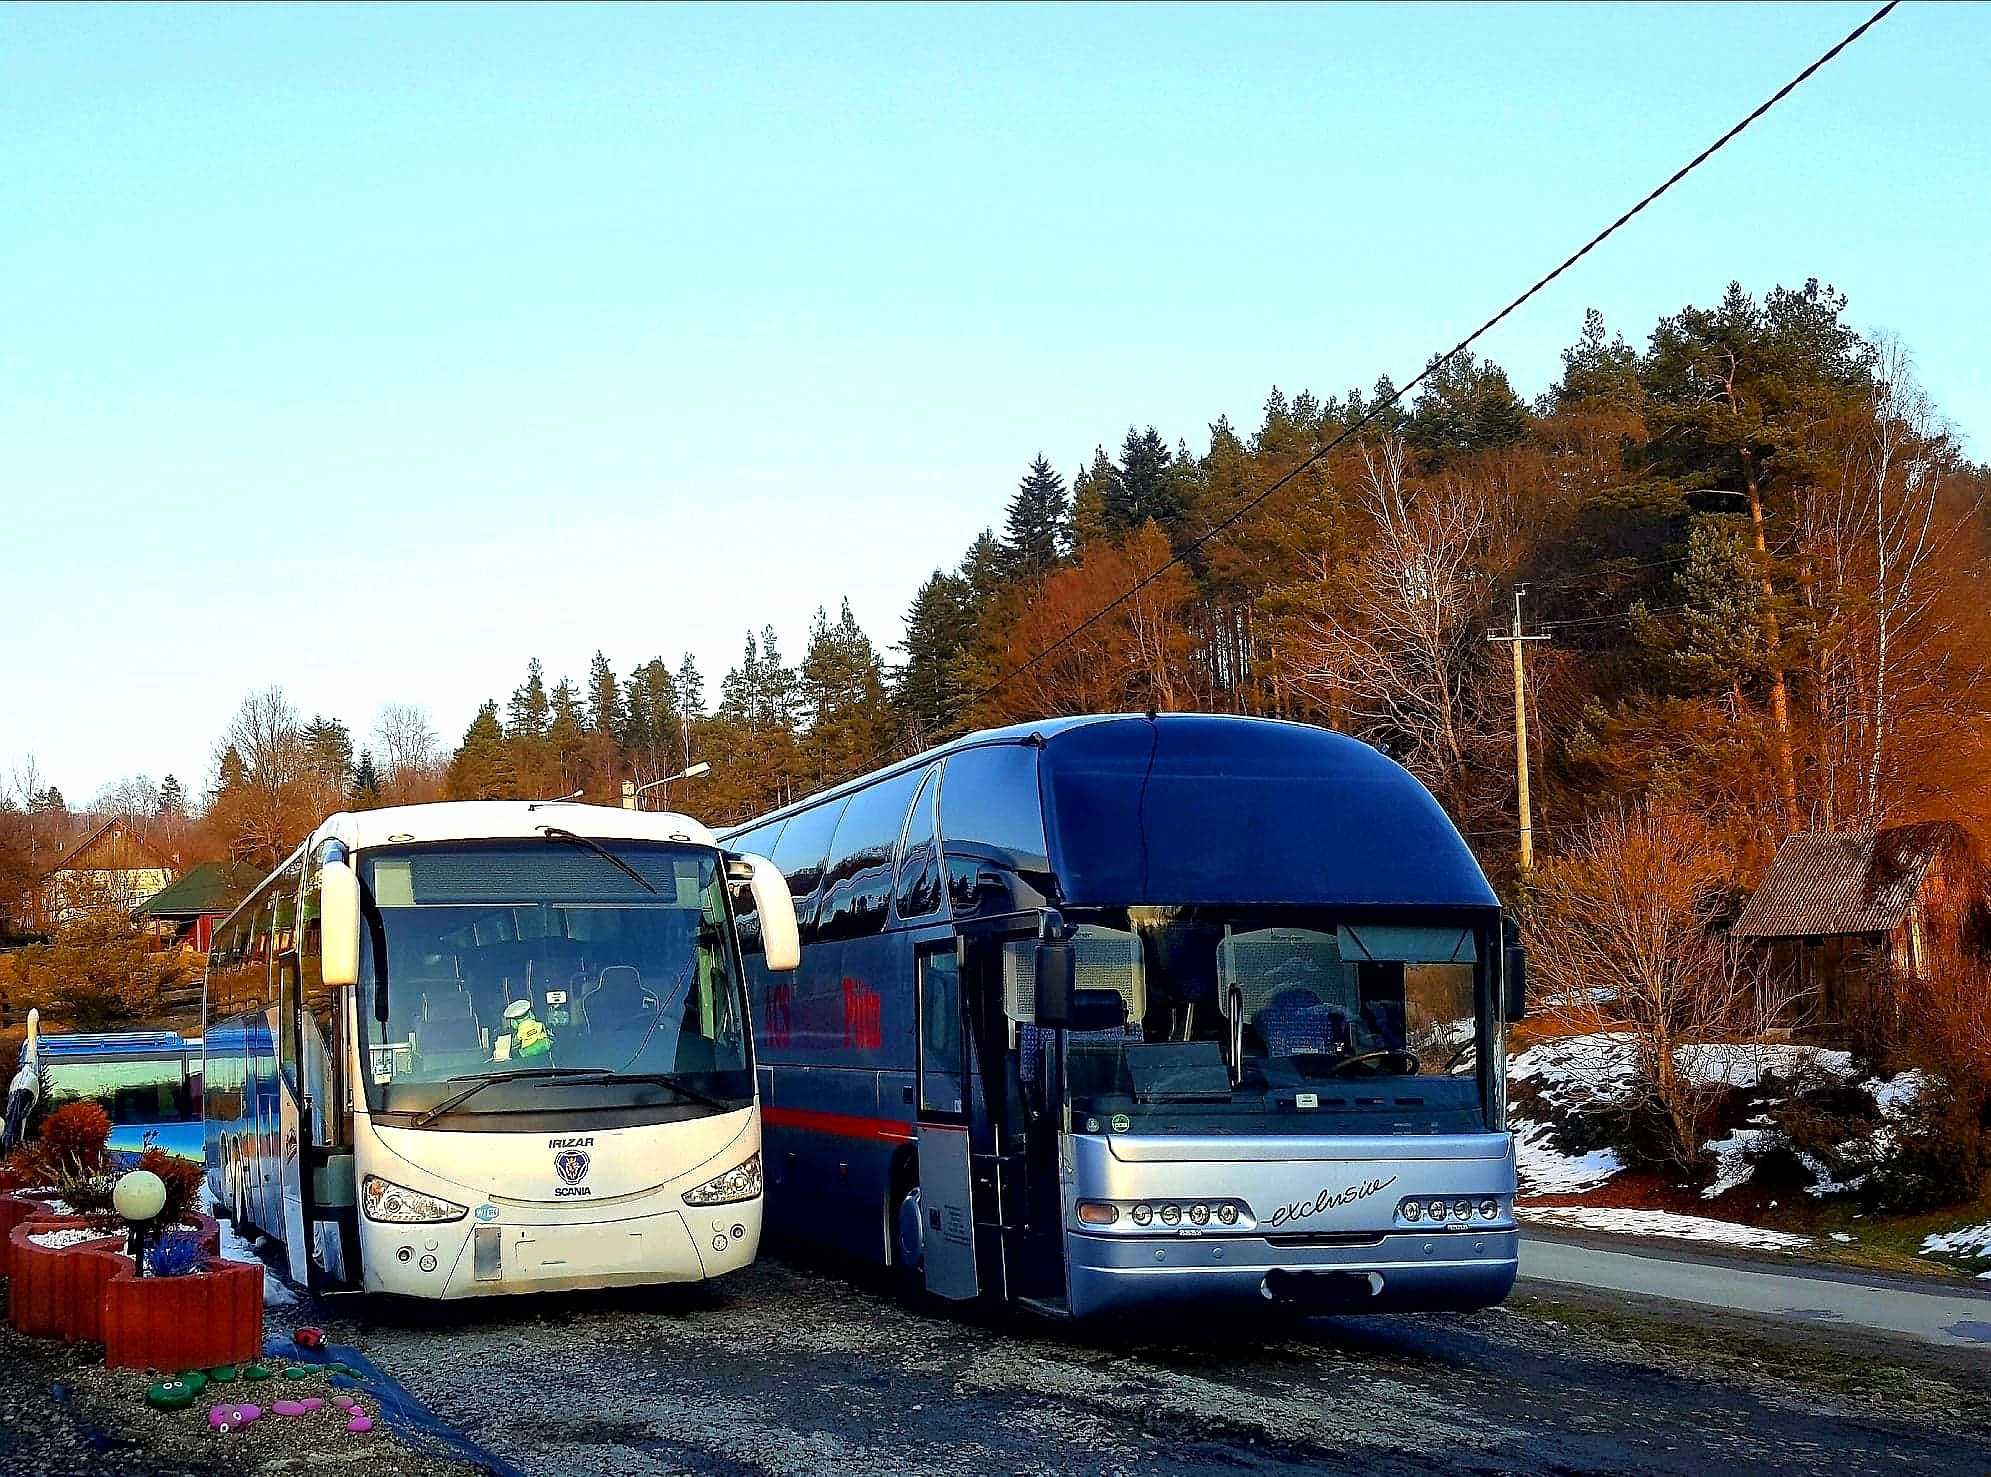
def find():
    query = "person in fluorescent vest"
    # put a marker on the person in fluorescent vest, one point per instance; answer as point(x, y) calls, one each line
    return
point(524, 1034)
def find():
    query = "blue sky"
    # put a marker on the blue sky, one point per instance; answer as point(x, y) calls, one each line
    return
point(372, 351)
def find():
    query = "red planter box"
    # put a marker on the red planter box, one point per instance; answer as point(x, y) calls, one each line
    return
point(58, 1292)
point(194, 1322)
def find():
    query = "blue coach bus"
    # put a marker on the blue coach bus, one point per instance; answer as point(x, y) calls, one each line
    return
point(149, 1083)
point(1105, 1012)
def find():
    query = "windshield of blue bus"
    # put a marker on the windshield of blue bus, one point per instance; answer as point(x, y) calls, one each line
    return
point(575, 974)
point(1321, 1010)
point(132, 1089)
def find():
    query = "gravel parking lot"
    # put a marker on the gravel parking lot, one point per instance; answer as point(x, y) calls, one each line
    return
point(789, 1370)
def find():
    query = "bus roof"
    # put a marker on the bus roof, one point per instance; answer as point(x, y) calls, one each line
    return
point(112, 1043)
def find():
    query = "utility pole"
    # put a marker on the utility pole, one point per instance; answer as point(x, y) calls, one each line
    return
point(1521, 732)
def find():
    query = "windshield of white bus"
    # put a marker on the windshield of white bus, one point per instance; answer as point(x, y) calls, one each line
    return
point(1340, 1012)
point(546, 962)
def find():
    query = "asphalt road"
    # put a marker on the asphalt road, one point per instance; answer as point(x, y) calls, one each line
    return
point(794, 1371)
point(1946, 1315)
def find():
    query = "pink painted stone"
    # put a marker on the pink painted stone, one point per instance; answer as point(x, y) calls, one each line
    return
point(359, 1425)
point(344, 1402)
point(311, 1402)
point(290, 1407)
point(232, 1417)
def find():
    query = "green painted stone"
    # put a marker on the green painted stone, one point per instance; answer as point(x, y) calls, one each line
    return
point(256, 1372)
point(194, 1379)
point(174, 1394)
point(335, 1367)
point(223, 1374)
point(298, 1372)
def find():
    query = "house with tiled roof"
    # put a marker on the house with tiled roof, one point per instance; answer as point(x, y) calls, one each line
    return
point(1842, 916)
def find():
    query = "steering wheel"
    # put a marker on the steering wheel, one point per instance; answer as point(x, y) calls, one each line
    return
point(1376, 1056)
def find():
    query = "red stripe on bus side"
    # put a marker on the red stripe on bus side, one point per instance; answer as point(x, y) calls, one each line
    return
point(843, 1125)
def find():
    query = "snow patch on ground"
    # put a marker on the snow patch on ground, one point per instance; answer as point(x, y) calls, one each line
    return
point(1895, 1095)
point(1971, 1241)
point(236, 1248)
point(1629, 1222)
point(1546, 1170)
point(1735, 1158)
point(1842, 1237)
point(1746, 1063)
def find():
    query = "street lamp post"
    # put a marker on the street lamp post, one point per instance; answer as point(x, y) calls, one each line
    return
point(631, 791)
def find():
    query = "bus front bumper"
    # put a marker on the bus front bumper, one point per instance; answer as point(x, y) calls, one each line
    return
point(463, 1259)
point(1396, 1273)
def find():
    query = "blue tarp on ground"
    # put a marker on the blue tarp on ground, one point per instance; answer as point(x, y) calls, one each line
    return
point(393, 1403)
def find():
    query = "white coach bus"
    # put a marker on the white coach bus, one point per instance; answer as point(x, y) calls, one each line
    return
point(492, 1047)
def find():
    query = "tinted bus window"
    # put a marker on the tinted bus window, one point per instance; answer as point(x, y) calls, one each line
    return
point(857, 885)
point(800, 854)
point(919, 858)
point(989, 802)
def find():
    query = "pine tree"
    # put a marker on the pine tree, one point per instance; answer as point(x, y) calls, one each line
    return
point(566, 734)
point(1092, 490)
point(1466, 405)
point(1038, 527)
point(653, 725)
point(1597, 369)
point(172, 799)
point(690, 688)
point(366, 781)
point(604, 697)
point(841, 684)
point(328, 750)
point(926, 690)
point(529, 715)
point(482, 766)
point(1149, 486)
point(231, 773)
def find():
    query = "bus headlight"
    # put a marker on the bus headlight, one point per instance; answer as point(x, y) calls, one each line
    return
point(741, 1182)
point(383, 1200)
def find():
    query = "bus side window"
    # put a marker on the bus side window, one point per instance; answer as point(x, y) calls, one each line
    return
point(992, 818)
point(857, 885)
point(919, 854)
point(800, 854)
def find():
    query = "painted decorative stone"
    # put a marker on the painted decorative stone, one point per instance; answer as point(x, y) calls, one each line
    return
point(335, 1367)
point(310, 1338)
point(233, 1417)
point(193, 1378)
point(311, 1402)
point(359, 1425)
point(256, 1372)
point(173, 1394)
point(298, 1372)
point(290, 1407)
point(344, 1402)
point(223, 1374)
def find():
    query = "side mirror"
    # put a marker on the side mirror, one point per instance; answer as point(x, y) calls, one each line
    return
point(1514, 978)
point(1097, 1010)
point(338, 924)
point(774, 906)
point(1054, 982)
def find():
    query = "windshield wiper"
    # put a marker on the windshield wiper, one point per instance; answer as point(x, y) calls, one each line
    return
point(482, 1080)
point(674, 1082)
point(561, 833)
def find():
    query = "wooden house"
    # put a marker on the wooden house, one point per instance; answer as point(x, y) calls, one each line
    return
point(112, 867)
point(1844, 916)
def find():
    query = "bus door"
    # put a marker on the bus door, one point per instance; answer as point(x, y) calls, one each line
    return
point(946, 1178)
point(293, 1121)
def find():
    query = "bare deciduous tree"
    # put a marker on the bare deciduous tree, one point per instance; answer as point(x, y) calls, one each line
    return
point(410, 752)
point(1624, 934)
point(1394, 641)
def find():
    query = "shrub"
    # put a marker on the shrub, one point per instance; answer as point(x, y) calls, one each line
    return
point(72, 1141)
point(177, 1255)
point(182, 1178)
point(88, 1192)
point(1940, 1156)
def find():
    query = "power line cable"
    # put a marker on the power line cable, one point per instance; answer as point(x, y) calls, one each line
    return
point(1232, 518)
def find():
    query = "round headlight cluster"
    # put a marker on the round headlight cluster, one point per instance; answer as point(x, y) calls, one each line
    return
point(1196, 1214)
point(1438, 1212)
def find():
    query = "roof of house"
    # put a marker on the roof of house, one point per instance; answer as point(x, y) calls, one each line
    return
point(140, 850)
point(1839, 882)
point(211, 887)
